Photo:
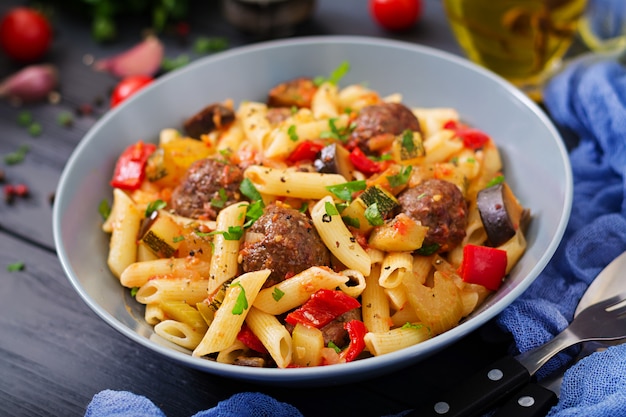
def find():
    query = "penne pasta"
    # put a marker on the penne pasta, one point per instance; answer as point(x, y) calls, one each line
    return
point(338, 238)
point(290, 183)
point(230, 316)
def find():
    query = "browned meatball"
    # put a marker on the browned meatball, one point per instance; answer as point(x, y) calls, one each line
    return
point(382, 119)
point(285, 241)
point(213, 116)
point(207, 187)
point(439, 205)
point(298, 92)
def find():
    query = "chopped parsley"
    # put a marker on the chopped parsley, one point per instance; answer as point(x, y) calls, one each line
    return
point(345, 190)
point(335, 76)
point(241, 304)
point(248, 189)
point(497, 180)
point(337, 133)
point(277, 294)
point(373, 215)
point(428, 249)
point(351, 221)
point(17, 156)
point(221, 200)
point(333, 346)
point(104, 208)
point(330, 209)
point(233, 233)
point(16, 266)
point(255, 210)
point(293, 135)
point(133, 291)
point(400, 178)
point(205, 45)
point(25, 118)
point(153, 206)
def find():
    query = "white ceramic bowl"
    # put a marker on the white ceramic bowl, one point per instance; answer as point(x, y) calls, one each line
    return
point(535, 160)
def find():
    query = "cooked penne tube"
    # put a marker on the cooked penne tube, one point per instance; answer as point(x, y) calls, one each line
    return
point(167, 289)
point(139, 273)
point(396, 339)
point(294, 291)
point(229, 318)
point(290, 183)
point(224, 262)
point(375, 305)
point(272, 334)
point(338, 238)
point(392, 268)
point(124, 230)
point(179, 333)
point(355, 285)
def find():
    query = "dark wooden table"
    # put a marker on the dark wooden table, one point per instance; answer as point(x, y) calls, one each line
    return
point(55, 353)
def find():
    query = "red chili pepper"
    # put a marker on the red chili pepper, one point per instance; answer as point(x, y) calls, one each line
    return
point(364, 164)
point(248, 338)
point(472, 138)
point(483, 265)
point(323, 307)
point(305, 151)
point(130, 168)
point(356, 331)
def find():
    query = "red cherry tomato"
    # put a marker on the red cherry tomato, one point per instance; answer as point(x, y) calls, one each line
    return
point(127, 87)
point(25, 34)
point(395, 14)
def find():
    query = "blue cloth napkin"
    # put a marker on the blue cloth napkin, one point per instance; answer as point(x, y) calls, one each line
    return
point(589, 99)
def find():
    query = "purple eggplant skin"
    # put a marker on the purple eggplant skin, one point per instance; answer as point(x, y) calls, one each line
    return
point(501, 213)
point(334, 159)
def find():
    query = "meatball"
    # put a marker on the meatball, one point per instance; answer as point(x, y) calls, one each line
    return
point(298, 92)
point(214, 116)
point(208, 185)
point(382, 119)
point(440, 206)
point(285, 241)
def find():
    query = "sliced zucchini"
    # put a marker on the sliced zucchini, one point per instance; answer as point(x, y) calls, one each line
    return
point(162, 235)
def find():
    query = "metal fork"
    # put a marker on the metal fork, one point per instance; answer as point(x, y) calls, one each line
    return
point(603, 321)
point(600, 322)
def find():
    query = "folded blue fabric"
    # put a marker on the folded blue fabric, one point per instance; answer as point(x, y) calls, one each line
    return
point(588, 98)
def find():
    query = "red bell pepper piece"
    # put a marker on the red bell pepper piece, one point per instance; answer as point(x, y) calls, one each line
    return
point(356, 331)
point(323, 307)
point(364, 164)
point(472, 138)
point(305, 151)
point(248, 338)
point(130, 168)
point(483, 265)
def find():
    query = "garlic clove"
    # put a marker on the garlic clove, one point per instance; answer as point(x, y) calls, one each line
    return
point(31, 83)
point(142, 59)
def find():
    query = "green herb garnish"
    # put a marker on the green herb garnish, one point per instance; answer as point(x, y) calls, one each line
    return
point(248, 189)
point(330, 209)
point(293, 135)
point(241, 303)
point(16, 266)
point(373, 215)
point(221, 200)
point(345, 190)
point(497, 180)
point(233, 233)
point(277, 294)
point(104, 208)
point(17, 156)
point(153, 206)
point(400, 178)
